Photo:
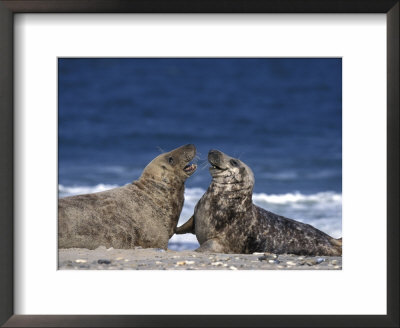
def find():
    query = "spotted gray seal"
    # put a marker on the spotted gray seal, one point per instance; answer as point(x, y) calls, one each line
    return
point(143, 213)
point(225, 220)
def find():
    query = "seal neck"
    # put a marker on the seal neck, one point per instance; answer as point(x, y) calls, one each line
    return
point(231, 187)
point(167, 190)
point(233, 194)
point(167, 199)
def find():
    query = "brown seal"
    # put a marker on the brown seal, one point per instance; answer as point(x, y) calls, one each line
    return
point(225, 219)
point(144, 213)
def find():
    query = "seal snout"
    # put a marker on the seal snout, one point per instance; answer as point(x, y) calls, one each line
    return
point(189, 147)
point(189, 153)
point(215, 158)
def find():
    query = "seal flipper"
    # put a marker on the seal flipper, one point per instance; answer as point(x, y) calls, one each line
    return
point(211, 246)
point(336, 242)
point(187, 227)
point(337, 246)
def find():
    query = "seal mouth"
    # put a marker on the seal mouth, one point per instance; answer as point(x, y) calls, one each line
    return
point(216, 167)
point(190, 168)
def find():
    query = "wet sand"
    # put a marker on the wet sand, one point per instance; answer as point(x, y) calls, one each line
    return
point(159, 259)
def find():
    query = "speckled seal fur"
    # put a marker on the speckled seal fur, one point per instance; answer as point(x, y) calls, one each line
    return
point(225, 219)
point(144, 213)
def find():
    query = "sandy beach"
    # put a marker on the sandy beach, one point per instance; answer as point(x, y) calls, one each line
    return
point(159, 259)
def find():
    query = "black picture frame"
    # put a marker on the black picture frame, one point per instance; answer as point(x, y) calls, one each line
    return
point(10, 7)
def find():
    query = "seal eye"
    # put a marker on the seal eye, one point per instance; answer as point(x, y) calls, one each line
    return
point(170, 160)
point(233, 162)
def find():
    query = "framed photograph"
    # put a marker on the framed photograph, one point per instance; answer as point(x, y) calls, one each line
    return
point(107, 138)
point(266, 111)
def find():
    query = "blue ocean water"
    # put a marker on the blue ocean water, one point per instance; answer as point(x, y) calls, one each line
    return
point(282, 117)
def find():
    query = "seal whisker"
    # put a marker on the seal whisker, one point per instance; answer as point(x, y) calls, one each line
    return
point(240, 155)
point(196, 159)
point(204, 165)
point(160, 149)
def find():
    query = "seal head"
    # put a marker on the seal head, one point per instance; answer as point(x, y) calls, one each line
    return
point(229, 171)
point(172, 166)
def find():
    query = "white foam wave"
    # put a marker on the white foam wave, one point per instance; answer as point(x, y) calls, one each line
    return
point(78, 190)
point(297, 197)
